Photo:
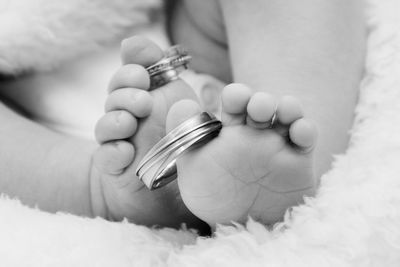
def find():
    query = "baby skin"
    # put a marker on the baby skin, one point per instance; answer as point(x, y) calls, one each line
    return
point(135, 121)
point(252, 168)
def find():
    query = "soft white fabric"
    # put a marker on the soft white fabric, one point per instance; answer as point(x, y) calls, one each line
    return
point(41, 34)
point(353, 221)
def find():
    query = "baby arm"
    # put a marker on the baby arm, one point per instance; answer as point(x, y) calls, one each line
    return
point(312, 50)
point(43, 168)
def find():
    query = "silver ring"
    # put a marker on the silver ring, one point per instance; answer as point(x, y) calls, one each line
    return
point(169, 67)
point(273, 120)
point(158, 168)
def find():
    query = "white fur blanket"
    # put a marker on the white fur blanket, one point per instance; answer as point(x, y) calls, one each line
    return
point(353, 221)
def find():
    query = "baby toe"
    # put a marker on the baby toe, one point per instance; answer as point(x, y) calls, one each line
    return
point(115, 125)
point(113, 157)
point(289, 110)
point(140, 50)
point(303, 134)
point(180, 112)
point(235, 98)
point(260, 110)
point(138, 102)
point(132, 76)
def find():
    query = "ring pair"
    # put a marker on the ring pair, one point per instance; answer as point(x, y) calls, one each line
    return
point(158, 166)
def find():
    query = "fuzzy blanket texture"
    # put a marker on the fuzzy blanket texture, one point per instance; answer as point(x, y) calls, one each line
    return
point(353, 221)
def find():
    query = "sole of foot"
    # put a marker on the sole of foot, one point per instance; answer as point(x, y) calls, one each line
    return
point(251, 168)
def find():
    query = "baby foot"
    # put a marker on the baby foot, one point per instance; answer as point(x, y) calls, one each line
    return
point(249, 169)
point(134, 121)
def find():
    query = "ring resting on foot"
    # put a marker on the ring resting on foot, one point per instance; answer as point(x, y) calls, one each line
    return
point(158, 166)
point(168, 68)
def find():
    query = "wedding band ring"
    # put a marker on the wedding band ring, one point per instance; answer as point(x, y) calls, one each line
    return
point(158, 167)
point(168, 68)
point(185, 128)
point(163, 170)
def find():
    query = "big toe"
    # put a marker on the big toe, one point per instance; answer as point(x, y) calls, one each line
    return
point(235, 98)
point(140, 50)
point(180, 112)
